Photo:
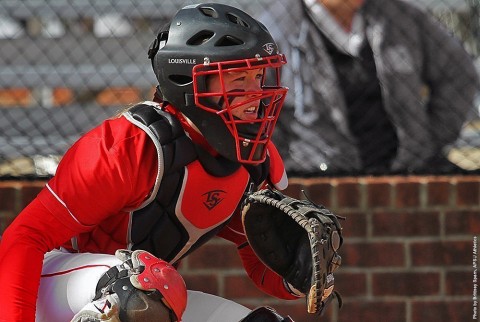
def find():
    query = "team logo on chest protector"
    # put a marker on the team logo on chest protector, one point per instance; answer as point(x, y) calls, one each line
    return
point(206, 201)
point(213, 198)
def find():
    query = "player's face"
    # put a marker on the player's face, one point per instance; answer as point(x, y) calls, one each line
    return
point(241, 81)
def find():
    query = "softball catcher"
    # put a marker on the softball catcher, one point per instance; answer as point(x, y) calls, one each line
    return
point(161, 179)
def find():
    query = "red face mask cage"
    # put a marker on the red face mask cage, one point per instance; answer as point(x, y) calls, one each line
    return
point(251, 136)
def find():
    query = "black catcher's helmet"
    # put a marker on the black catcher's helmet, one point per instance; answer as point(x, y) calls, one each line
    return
point(213, 39)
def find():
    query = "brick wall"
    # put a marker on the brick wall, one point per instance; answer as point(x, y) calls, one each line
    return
point(408, 252)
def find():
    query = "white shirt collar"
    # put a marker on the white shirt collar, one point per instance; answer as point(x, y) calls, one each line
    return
point(348, 42)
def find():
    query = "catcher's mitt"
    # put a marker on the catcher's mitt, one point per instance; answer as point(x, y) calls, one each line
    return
point(298, 240)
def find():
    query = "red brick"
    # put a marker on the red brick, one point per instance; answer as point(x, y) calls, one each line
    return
point(462, 222)
point(6, 219)
point(379, 194)
point(407, 194)
point(442, 253)
point(406, 224)
point(297, 311)
point(215, 267)
point(459, 282)
point(350, 284)
point(468, 192)
point(7, 198)
point(28, 193)
point(355, 224)
point(373, 254)
point(439, 192)
point(320, 193)
point(373, 311)
point(203, 283)
point(348, 193)
point(215, 256)
point(448, 311)
point(294, 189)
point(406, 284)
point(241, 286)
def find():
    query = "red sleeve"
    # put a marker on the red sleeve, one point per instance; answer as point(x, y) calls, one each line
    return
point(98, 177)
point(264, 278)
point(22, 248)
point(109, 169)
point(277, 175)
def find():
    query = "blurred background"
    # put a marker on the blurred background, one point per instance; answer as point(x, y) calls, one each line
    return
point(66, 65)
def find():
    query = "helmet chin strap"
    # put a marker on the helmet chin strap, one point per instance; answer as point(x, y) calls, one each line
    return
point(187, 125)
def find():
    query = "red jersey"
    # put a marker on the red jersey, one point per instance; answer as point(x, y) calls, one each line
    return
point(108, 172)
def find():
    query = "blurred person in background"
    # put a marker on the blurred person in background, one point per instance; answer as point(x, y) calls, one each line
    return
point(375, 87)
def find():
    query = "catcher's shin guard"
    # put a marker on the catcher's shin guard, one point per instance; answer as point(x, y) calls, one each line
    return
point(147, 288)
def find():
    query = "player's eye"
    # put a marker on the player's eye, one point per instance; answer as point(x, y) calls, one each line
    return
point(239, 79)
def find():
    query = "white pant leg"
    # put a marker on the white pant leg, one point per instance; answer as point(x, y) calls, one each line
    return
point(68, 283)
point(210, 308)
point(69, 280)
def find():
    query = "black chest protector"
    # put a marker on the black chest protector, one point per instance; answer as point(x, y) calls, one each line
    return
point(195, 194)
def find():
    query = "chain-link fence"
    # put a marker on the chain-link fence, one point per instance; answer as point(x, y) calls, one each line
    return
point(66, 65)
